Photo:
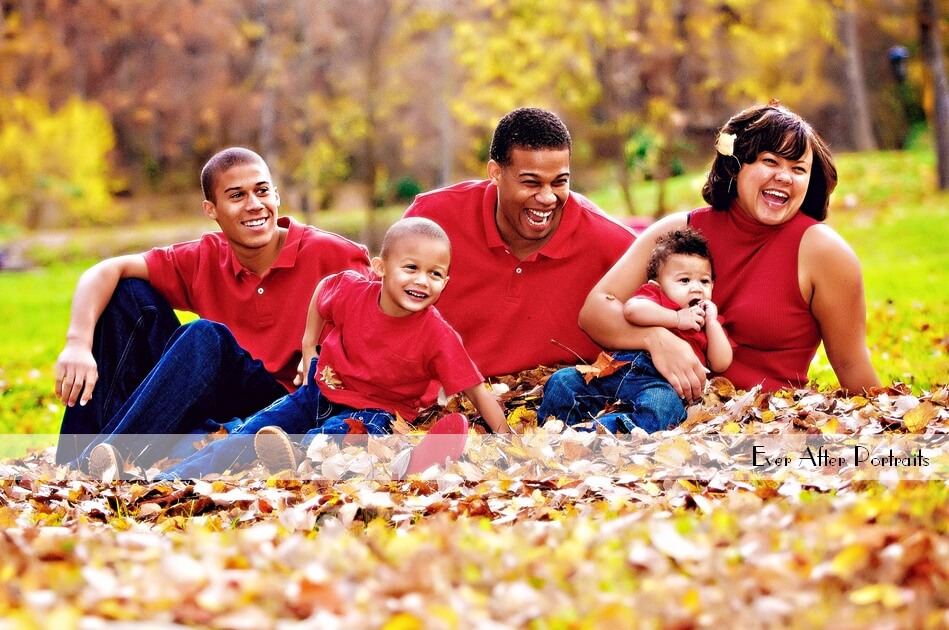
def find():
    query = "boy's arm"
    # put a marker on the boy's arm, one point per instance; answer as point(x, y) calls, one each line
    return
point(719, 351)
point(641, 311)
point(488, 407)
point(76, 369)
point(311, 336)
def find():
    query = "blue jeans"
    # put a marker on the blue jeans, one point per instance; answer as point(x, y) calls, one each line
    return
point(129, 340)
point(640, 396)
point(202, 379)
point(305, 411)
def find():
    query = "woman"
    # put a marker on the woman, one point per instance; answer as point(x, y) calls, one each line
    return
point(784, 280)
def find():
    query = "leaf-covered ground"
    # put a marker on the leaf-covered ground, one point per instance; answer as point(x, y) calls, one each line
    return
point(554, 528)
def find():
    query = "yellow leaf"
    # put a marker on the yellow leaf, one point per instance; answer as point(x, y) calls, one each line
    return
point(522, 416)
point(918, 418)
point(850, 560)
point(830, 426)
point(731, 428)
point(403, 621)
point(887, 594)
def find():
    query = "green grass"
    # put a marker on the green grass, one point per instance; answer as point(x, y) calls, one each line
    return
point(886, 207)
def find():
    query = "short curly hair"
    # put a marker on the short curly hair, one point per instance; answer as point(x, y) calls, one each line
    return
point(776, 129)
point(686, 241)
point(528, 128)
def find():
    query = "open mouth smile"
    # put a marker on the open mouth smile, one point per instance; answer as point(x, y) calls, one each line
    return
point(537, 218)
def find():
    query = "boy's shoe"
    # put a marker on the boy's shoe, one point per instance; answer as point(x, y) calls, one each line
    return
point(275, 449)
point(105, 463)
point(444, 442)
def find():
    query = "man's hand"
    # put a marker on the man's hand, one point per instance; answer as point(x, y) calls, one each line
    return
point(76, 372)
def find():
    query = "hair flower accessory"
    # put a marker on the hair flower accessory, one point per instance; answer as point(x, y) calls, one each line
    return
point(726, 144)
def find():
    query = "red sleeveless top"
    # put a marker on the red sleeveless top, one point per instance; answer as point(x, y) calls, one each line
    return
point(758, 294)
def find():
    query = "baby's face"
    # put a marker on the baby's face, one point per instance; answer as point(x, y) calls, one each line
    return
point(685, 279)
point(414, 274)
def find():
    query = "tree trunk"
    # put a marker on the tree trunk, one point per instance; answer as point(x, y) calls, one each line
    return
point(861, 127)
point(931, 44)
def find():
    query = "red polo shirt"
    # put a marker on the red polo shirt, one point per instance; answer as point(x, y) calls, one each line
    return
point(506, 310)
point(266, 314)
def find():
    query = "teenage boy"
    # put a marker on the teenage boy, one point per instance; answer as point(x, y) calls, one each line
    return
point(130, 365)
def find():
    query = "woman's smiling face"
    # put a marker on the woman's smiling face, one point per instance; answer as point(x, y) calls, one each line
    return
point(772, 188)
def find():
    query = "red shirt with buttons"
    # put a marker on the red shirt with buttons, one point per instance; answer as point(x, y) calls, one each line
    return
point(266, 314)
point(506, 310)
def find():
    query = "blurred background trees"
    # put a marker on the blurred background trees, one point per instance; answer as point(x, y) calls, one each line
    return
point(366, 102)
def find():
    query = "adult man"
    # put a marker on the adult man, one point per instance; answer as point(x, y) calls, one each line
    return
point(131, 366)
point(526, 250)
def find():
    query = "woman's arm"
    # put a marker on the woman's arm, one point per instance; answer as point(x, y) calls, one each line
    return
point(832, 271)
point(602, 315)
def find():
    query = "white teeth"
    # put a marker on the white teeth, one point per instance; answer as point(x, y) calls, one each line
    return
point(777, 193)
point(538, 218)
point(417, 295)
point(256, 222)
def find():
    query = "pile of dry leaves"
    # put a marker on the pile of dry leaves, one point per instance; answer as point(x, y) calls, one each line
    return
point(741, 517)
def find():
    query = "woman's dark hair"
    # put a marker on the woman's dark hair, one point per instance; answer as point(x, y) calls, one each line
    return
point(776, 129)
point(685, 241)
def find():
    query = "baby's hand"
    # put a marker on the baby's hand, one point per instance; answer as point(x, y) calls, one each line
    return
point(711, 311)
point(691, 318)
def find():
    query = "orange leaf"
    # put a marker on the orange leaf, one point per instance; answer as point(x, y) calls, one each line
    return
point(602, 367)
point(917, 418)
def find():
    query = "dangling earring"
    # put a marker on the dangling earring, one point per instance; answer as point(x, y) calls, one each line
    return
point(732, 180)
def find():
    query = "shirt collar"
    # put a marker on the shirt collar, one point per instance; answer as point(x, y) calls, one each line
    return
point(560, 244)
point(288, 253)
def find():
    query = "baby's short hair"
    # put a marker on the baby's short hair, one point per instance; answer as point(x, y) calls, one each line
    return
point(685, 241)
point(412, 226)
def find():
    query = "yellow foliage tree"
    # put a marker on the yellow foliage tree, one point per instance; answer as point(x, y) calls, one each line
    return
point(54, 167)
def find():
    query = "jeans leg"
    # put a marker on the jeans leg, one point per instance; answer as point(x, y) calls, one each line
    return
point(295, 413)
point(569, 398)
point(351, 422)
point(203, 374)
point(655, 404)
point(128, 342)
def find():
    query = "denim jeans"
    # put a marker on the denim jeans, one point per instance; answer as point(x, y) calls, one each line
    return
point(640, 396)
point(204, 378)
point(129, 340)
point(305, 411)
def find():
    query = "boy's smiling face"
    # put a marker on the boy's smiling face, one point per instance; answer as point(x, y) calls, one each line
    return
point(414, 274)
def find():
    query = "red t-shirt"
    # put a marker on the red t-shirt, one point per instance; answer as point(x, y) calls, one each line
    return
point(266, 314)
point(383, 362)
point(506, 310)
point(696, 338)
point(756, 287)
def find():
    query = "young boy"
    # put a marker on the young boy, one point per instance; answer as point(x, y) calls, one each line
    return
point(677, 296)
point(384, 344)
point(130, 372)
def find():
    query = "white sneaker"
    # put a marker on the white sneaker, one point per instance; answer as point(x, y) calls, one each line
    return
point(275, 449)
point(105, 463)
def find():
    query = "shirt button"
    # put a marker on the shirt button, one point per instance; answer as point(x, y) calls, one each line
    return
point(260, 290)
point(518, 270)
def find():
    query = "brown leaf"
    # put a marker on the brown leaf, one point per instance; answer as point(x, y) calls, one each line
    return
point(602, 367)
point(919, 417)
